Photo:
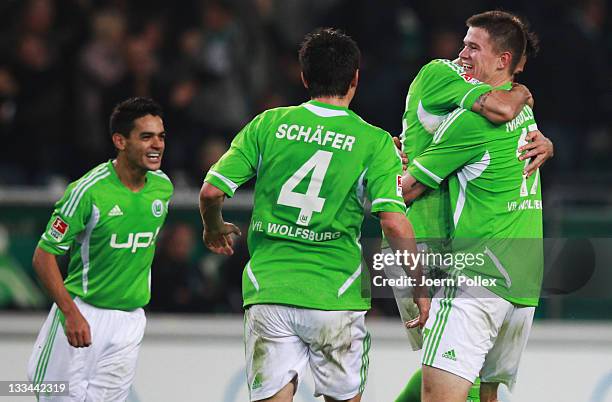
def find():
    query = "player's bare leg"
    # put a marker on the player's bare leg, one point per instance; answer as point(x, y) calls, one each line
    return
point(356, 398)
point(285, 394)
point(488, 391)
point(439, 385)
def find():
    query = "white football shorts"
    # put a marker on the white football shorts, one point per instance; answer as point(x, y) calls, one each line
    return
point(280, 341)
point(476, 336)
point(105, 370)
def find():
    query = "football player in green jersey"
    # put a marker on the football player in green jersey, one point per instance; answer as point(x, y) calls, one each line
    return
point(439, 88)
point(108, 221)
point(303, 291)
point(480, 324)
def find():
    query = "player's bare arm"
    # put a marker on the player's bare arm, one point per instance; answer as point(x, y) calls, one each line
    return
point(75, 326)
point(501, 106)
point(538, 148)
point(399, 233)
point(411, 188)
point(217, 233)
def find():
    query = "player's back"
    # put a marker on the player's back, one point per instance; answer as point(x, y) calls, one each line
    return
point(315, 163)
point(490, 195)
point(496, 210)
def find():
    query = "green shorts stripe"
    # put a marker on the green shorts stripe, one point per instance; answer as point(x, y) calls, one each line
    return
point(434, 330)
point(43, 359)
point(439, 325)
point(452, 293)
point(365, 362)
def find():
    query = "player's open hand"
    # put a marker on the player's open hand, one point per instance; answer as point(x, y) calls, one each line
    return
point(221, 241)
point(538, 148)
point(77, 329)
point(398, 145)
point(423, 302)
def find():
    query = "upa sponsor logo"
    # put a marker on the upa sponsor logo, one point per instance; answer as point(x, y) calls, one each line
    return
point(134, 241)
point(58, 229)
point(157, 208)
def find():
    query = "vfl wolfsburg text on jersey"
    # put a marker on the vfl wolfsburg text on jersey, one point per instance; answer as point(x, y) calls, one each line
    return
point(315, 164)
point(111, 233)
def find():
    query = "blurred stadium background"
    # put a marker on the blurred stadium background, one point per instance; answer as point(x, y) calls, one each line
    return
point(213, 65)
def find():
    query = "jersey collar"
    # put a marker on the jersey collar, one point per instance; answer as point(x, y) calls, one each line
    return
point(326, 105)
point(114, 177)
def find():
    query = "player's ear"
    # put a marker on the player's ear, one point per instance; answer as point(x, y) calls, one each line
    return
point(521, 65)
point(355, 79)
point(504, 60)
point(119, 141)
point(304, 80)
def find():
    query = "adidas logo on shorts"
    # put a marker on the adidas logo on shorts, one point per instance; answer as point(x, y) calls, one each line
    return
point(450, 355)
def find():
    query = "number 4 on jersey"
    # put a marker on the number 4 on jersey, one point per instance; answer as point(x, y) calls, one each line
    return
point(309, 202)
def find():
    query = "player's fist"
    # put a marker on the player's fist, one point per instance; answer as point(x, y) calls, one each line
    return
point(525, 91)
point(423, 302)
point(220, 241)
point(77, 329)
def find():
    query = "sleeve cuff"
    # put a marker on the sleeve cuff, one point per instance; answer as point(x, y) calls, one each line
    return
point(387, 205)
point(468, 100)
point(221, 182)
point(424, 175)
point(53, 248)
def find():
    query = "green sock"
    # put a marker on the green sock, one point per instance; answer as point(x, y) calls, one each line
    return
point(412, 390)
point(474, 394)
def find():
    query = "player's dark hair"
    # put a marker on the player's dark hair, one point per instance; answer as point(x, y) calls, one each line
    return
point(123, 115)
point(329, 59)
point(508, 32)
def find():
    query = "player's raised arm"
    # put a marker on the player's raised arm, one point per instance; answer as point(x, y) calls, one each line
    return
point(445, 85)
point(501, 106)
point(75, 325)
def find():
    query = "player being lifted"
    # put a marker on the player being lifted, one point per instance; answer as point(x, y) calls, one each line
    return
point(483, 330)
point(302, 287)
point(109, 221)
point(440, 87)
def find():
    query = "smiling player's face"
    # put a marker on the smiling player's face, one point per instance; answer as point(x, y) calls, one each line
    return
point(145, 145)
point(478, 56)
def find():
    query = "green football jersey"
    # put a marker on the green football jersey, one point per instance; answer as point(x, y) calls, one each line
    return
point(496, 211)
point(314, 165)
point(439, 88)
point(110, 232)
